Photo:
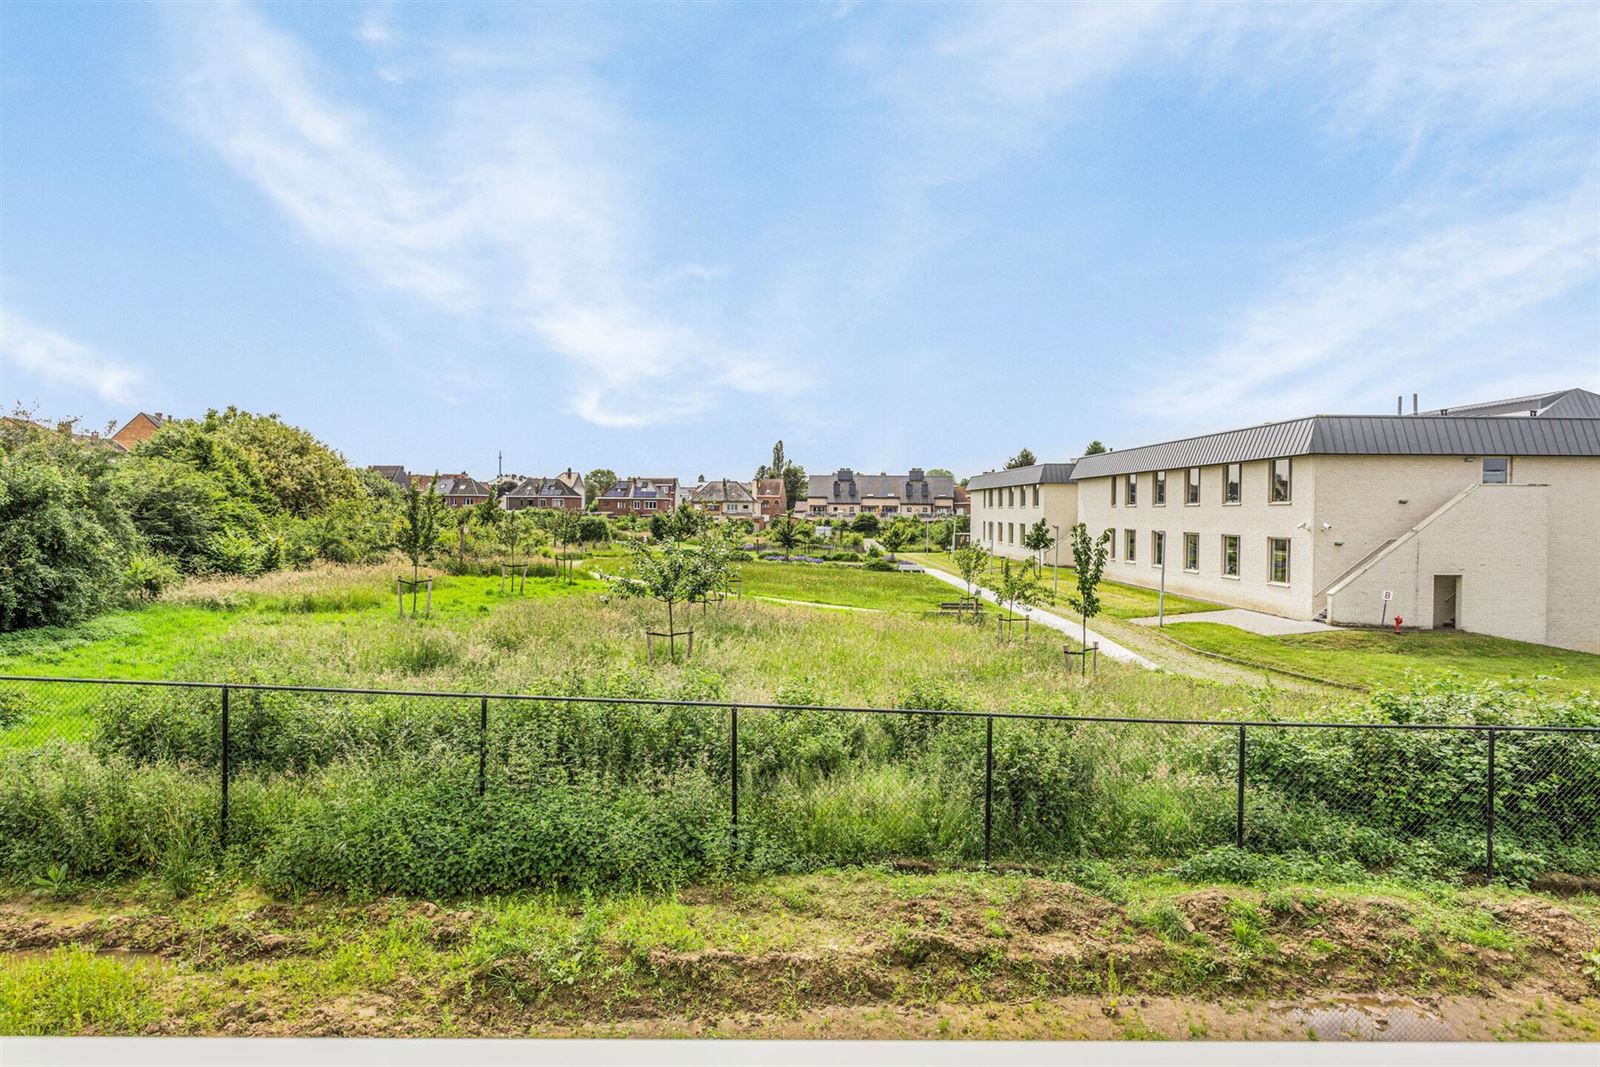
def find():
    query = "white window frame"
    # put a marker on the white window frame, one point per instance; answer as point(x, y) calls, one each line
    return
point(1238, 557)
point(1237, 483)
point(1158, 489)
point(1130, 542)
point(1288, 561)
point(1272, 480)
point(1191, 480)
point(1191, 538)
point(1158, 547)
point(1483, 470)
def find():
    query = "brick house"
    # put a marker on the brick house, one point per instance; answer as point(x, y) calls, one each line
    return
point(458, 490)
point(639, 496)
point(138, 429)
point(845, 494)
point(772, 498)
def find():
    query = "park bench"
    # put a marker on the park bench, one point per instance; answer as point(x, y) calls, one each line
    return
point(959, 607)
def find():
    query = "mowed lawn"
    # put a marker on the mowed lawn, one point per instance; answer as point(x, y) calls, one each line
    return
point(1117, 601)
point(1374, 657)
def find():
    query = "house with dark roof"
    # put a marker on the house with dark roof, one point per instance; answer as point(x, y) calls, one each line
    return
point(393, 472)
point(1006, 503)
point(724, 498)
point(458, 490)
point(846, 494)
point(772, 500)
point(1480, 518)
point(563, 492)
point(638, 496)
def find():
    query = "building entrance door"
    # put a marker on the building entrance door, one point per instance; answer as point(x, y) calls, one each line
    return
point(1446, 597)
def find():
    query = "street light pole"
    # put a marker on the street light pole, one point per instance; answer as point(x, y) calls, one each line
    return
point(1161, 601)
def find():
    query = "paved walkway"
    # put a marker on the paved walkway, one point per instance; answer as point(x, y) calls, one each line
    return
point(1074, 630)
point(1257, 622)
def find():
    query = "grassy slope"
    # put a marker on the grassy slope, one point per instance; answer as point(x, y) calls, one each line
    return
point(1371, 657)
point(830, 954)
point(848, 586)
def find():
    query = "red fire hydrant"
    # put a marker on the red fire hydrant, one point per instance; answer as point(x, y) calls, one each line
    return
point(1397, 621)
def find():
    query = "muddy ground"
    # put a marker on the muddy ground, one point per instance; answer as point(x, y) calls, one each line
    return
point(849, 954)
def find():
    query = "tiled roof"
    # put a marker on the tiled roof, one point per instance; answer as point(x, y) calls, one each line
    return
point(721, 490)
point(539, 487)
point(836, 487)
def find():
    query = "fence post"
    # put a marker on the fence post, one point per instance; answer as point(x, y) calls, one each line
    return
point(988, 789)
point(1238, 814)
point(226, 768)
point(1488, 809)
point(483, 743)
point(733, 763)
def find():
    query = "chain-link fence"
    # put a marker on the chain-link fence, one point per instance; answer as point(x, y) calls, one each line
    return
point(448, 792)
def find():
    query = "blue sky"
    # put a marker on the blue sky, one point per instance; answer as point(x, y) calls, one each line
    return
point(656, 238)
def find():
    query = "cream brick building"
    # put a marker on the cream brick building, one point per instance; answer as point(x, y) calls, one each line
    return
point(1005, 503)
point(1484, 518)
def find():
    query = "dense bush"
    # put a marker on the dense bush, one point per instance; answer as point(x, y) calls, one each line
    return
point(381, 794)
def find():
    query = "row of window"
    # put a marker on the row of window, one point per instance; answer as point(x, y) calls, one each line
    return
point(1009, 496)
point(1280, 483)
point(1277, 553)
point(1003, 532)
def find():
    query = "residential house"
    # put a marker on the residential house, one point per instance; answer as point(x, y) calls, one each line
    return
point(772, 496)
point(963, 501)
point(638, 496)
point(1006, 503)
point(845, 494)
point(458, 490)
point(138, 429)
point(726, 499)
point(559, 493)
point(1480, 518)
point(393, 472)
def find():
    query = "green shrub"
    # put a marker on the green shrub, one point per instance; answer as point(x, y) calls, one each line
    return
point(73, 992)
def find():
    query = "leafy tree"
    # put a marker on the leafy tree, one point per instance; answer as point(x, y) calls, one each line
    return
point(596, 482)
point(679, 524)
point(592, 529)
point(1089, 560)
point(1018, 587)
point(786, 532)
point(940, 472)
point(417, 530)
point(971, 560)
point(894, 538)
point(865, 523)
point(1024, 458)
point(1037, 538)
point(1094, 448)
point(674, 572)
point(566, 527)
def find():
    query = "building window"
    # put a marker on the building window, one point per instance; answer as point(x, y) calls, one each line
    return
point(1036, 496)
point(1158, 547)
point(1278, 560)
point(1496, 470)
point(1191, 552)
point(1230, 555)
point(1231, 489)
point(1279, 490)
point(1191, 489)
point(1113, 492)
point(1133, 490)
point(1130, 542)
point(1160, 497)
point(1011, 533)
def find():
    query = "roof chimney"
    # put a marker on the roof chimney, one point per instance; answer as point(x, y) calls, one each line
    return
point(1413, 403)
point(1400, 404)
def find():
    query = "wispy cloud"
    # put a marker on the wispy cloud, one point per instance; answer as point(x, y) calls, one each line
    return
point(60, 361)
point(1488, 108)
point(514, 212)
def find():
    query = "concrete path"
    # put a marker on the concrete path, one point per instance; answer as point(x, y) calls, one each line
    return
point(812, 604)
point(1257, 622)
point(1074, 630)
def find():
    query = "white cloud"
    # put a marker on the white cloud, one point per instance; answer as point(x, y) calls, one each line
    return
point(1346, 329)
point(515, 212)
point(53, 357)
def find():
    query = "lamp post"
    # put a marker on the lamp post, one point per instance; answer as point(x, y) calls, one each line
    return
point(1161, 600)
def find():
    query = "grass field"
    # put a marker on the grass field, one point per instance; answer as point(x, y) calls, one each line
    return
point(860, 953)
point(1376, 658)
point(844, 586)
point(1117, 601)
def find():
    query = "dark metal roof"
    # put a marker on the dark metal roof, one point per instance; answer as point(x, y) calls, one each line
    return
point(542, 487)
point(1033, 474)
point(1358, 435)
point(1561, 404)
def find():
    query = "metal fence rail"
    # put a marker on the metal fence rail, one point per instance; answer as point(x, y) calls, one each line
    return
point(828, 784)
